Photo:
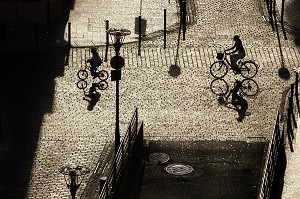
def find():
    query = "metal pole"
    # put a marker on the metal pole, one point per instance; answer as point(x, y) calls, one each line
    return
point(69, 34)
point(117, 130)
point(165, 28)
point(282, 24)
point(107, 39)
point(140, 35)
point(183, 18)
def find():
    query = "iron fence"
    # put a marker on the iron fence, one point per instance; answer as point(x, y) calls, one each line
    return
point(121, 157)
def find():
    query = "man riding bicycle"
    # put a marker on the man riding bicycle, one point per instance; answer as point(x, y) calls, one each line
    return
point(95, 62)
point(237, 53)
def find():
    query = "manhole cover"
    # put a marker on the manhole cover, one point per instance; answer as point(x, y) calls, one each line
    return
point(155, 158)
point(179, 169)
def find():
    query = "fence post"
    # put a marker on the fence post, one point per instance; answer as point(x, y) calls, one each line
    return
point(136, 120)
point(289, 130)
point(291, 106)
point(296, 92)
point(102, 183)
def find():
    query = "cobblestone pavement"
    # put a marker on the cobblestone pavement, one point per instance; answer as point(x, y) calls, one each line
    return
point(88, 18)
point(173, 108)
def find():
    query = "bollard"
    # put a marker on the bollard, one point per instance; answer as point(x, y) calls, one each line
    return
point(165, 28)
point(107, 39)
point(140, 35)
point(183, 15)
point(69, 34)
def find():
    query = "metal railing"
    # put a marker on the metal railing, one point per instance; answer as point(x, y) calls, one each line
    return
point(270, 163)
point(120, 160)
point(278, 140)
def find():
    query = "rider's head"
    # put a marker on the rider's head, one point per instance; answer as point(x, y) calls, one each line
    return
point(93, 50)
point(236, 37)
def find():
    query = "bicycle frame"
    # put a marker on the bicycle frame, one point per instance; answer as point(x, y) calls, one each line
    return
point(228, 64)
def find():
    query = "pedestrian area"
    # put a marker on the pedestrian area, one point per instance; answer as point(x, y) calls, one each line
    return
point(174, 105)
point(173, 108)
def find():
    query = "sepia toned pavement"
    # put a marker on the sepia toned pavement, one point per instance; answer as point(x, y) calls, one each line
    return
point(172, 107)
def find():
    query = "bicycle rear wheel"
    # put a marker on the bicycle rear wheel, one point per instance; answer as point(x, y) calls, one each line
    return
point(103, 75)
point(82, 74)
point(218, 69)
point(219, 87)
point(249, 87)
point(249, 69)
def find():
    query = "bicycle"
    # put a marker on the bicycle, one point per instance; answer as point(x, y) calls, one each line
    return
point(220, 87)
point(82, 74)
point(248, 69)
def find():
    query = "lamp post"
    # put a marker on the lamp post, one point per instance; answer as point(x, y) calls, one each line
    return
point(117, 62)
point(73, 177)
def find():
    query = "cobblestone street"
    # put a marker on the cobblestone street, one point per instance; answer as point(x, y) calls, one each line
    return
point(173, 107)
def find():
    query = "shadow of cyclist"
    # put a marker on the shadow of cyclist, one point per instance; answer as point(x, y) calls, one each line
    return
point(239, 102)
point(92, 97)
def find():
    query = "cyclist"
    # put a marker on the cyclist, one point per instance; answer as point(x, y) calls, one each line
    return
point(237, 52)
point(95, 62)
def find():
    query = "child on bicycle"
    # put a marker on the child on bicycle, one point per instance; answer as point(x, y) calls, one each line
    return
point(95, 62)
point(238, 52)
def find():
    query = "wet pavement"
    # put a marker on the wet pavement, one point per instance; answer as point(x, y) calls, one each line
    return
point(221, 170)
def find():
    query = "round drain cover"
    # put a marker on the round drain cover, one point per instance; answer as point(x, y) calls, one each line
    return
point(162, 158)
point(179, 169)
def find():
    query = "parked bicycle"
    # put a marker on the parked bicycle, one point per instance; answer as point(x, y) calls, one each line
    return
point(248, 69)
point(220, 87)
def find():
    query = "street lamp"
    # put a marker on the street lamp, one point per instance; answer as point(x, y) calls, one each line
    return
point(117, 62)
point(73, 177)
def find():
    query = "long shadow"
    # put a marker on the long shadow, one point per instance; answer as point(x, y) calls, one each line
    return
point(27, 92)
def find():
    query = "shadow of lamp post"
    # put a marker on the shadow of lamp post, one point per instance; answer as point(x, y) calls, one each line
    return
point(73, 177)
point(117, 62)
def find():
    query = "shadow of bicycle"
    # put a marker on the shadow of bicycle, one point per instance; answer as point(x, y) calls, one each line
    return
point(234, 98)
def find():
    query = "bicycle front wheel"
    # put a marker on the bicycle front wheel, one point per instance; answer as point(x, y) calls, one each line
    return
point(218, 69)
point(249, 87)
point(82, 74)
point(219, 87)
point(249, 69)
